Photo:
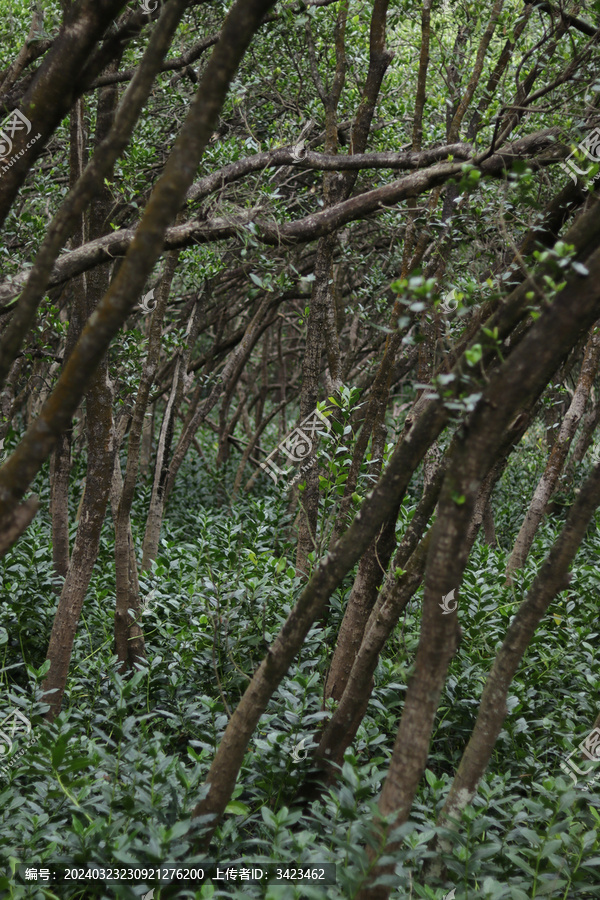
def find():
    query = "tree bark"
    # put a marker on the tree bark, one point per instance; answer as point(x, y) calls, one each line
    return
point(591, 420)
point(552, 578)
point(311, 371)
point(57, 85)
point(129, 639)
point(341, 729)
point(85, 550)
point(243, 20)
point(61, 459)
point(371, 570)
point(549, 480)
point(90, 183)
point(513, 387)
point(59, 503)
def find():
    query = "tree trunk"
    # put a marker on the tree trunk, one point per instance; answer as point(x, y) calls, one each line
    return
point(489, 528)
point(130, 647)
point(341, 729)
point(168, 195)
point(558, 455)
point(59, 503)
point(85, 550)
point(552, 578)
point(161, 469)
point(157, 500)
point(584, 441)
point(310, 605)
point(61, 458)
point(362, 599)
point(147, 435)
point(516, 385)
point(311, 370)
point(371, 571)
point(230, 373)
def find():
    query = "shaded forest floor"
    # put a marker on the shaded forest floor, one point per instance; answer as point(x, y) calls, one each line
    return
point(114, 779)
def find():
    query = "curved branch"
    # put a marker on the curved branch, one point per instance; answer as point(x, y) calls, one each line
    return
point(309, 228)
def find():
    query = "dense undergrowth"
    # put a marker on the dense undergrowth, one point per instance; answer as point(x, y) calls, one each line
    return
point(114, 780)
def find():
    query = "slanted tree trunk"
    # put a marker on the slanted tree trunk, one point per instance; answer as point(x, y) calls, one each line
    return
point(168, 195)
point(489, 528)
point(312, 604)
point(311, 371)
point(147, 435)
point(519, 381)
point(129, 638)
point(60, 469)
point(61, 458)
point(371, 571)
point(157, 499)
point(361, 601)
point(253, 444)
point(16, 523)
point(226, 428)
point(85, 550)
point(482, 505)
point(552, 578)
point(375, 414)
point(591, 420)
point(549, 480)
point(399, 587)
point(341, 729)
point(335, 188)
point(100, 438)
point(516, 385)
point(261, 320)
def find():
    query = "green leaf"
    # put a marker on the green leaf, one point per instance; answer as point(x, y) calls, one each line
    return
point(269, 818)
point(473, 354)
point(431, 779)
point(58, 751)
point(237, 808)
